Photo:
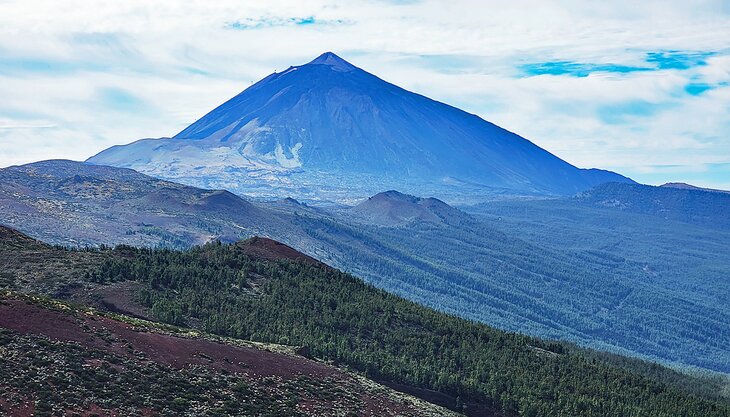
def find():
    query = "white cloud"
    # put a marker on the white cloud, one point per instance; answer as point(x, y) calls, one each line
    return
point(179, 60)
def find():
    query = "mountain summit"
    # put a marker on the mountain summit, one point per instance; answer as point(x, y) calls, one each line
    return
point(328, 130)
point(392, 208)
point(334, 61)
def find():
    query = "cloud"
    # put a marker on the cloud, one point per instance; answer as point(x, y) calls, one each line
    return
point(267, 22)
point(29, 124)
point(627, 111)
point(120, 99)
point(618, 85)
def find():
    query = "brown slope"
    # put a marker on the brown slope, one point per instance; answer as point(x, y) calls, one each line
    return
point(270, 249)
point(12, 238)
point(96, 331)
point(318, 389)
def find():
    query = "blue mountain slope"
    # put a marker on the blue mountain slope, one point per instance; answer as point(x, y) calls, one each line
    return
point(686, 204)
point(329, 130)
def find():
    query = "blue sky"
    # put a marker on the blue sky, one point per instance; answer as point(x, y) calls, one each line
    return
point(643, 89)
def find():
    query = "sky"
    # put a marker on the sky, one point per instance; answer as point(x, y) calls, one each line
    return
point(641, 88)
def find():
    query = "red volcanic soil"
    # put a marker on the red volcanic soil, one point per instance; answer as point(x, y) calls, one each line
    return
point(121, 338)
point(24, 409)
point(140, 344)
point(272, 250)
point(103, 333)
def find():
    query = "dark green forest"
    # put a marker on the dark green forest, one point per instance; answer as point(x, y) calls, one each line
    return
point(629, 283)
point(337, 317)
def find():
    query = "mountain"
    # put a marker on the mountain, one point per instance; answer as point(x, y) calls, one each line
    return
point(392, 208)
point(276, 336)
point(328, 130)
point(685, 186)
point(671, 202)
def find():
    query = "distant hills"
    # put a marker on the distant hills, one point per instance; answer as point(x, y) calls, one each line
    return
point(74, 203)
point(328, 130)
point(392, 208)
point(680, 202)
point(685, 186)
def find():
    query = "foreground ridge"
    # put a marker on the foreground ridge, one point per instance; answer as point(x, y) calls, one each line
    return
point(110, 364)
point(472, 368)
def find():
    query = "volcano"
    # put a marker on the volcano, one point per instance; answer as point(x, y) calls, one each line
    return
point(328, 130)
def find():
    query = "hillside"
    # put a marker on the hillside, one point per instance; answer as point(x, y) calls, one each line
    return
point(78, 204)
point(662, 271)
point(108, 365)
point(560, 278)
point(685, 186)
point(88, 204)
point(392, 208)
point(693, 205)
point(327, 130)
point(225, 290)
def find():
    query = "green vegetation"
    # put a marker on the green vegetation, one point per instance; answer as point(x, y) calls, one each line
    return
point(340, 318)
point(563, 269)
point(641, 284)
